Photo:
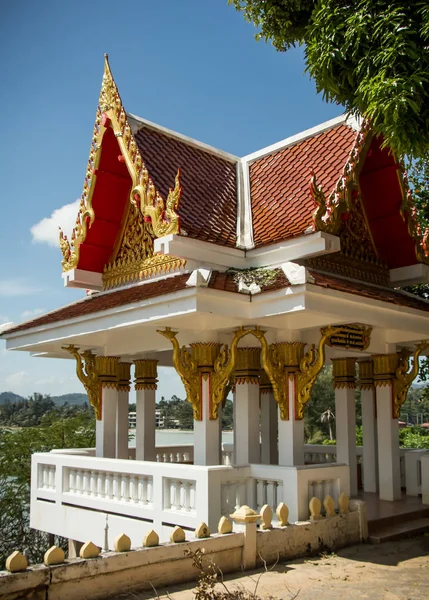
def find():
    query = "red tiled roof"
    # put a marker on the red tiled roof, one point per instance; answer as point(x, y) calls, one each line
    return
point(100, 302)
point(208, 207)
point(282, 204)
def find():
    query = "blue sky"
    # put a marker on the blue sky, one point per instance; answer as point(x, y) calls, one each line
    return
point(190, 65)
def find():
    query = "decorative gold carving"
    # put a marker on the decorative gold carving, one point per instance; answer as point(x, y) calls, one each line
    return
point(329, 212)
point(344, 372)
point(410, 216)
point(125, 265)
point(88, 376)
point(353, 336)
point(275, 369)
point(385, 366)
point(366, 375)
point(205, 354)
point(223, 368)
point(404, 378)
point(191, 366)
point(248, 365)
point(309, 368)
point(343, 214)
point(163, 216)
point(187, 369)
point(124, 376)
point(146, 374)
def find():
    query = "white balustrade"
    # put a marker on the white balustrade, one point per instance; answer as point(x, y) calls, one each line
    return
point(175, 454)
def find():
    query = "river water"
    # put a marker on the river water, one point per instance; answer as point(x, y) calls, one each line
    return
point(177, 437)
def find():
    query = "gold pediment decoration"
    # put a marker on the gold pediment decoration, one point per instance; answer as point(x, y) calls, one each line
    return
point(148, 216)
point(342, 214)
point(410, 216)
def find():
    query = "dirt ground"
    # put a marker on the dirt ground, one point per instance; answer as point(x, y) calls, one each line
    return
point(389, 571)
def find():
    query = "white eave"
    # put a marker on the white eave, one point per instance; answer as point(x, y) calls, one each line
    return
point(221, 258)
point(411, 275)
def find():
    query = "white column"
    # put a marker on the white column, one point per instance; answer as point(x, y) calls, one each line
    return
point(369, 434)
point(207, 432)
point(344, 379)
point(105, 428)
point(388, 445)
point(246, 422)
point(122, 424)
point(269, 427)
point(291, 432)
point(145, 385)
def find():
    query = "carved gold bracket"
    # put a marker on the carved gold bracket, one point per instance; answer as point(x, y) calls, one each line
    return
point(87, 373)
point(274, 368)
point(404, 378)
point(187, 369)
point(309, 368)
point(217, 361)
point(223, 367)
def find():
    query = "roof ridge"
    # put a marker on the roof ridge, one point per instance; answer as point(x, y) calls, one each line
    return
point(175, 134)
point(343, 119)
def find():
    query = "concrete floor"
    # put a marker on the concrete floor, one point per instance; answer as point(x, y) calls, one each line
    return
point(391, 571)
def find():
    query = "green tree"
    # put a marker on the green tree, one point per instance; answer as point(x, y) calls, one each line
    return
point(16, 448)
point(372, 56)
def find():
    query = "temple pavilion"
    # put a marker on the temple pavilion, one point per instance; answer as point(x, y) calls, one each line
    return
point(246, 274)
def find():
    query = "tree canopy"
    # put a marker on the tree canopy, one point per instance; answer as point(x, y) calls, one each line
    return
point(372, 56)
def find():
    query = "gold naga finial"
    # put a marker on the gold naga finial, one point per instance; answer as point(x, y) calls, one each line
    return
point(187, 368)
point(404, 378)
point(162, 216)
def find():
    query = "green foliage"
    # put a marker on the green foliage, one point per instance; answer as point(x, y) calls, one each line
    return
point(372, 56)
point(178, 414)
point(56, 430)
point(414, 437)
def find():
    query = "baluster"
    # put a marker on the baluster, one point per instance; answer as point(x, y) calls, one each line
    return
point(270, 494)
point(187, 496)
point(311, 491)
point(101, 484)
point(93, 483)
point(135, 491)
point(109, 486)
point(72, 481)
point(125, 488)
point(116, 486)
point(319, 492)
point(52, 477)
point(327, 488)
point(78, 488)
point(178, 495)
point(149, 488)
point(44, 470)
point(192, 495)
point(85, 482)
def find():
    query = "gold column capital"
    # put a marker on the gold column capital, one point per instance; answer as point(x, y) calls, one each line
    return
point(205, 354)
point(344, 372)
point(366, 374)
point(146, 374)
point(124, 376)
point(290, 354)
point(107, 370)
point(385, 366)
point(265, 385)
point(248, 365)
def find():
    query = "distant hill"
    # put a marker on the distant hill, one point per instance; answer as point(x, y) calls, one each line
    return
point(9, 397)
point(70, 399)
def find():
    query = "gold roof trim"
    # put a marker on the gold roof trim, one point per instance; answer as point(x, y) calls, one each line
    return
point(158, 217)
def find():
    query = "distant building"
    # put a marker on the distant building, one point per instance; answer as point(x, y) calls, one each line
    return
point(159, 419)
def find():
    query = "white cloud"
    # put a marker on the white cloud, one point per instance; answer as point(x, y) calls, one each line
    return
point(30, 314)
point(17, 381)
point(46, 230)
point(10, 288)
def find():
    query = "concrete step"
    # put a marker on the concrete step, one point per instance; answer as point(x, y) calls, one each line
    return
point(396, 531)
point(397, 519)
